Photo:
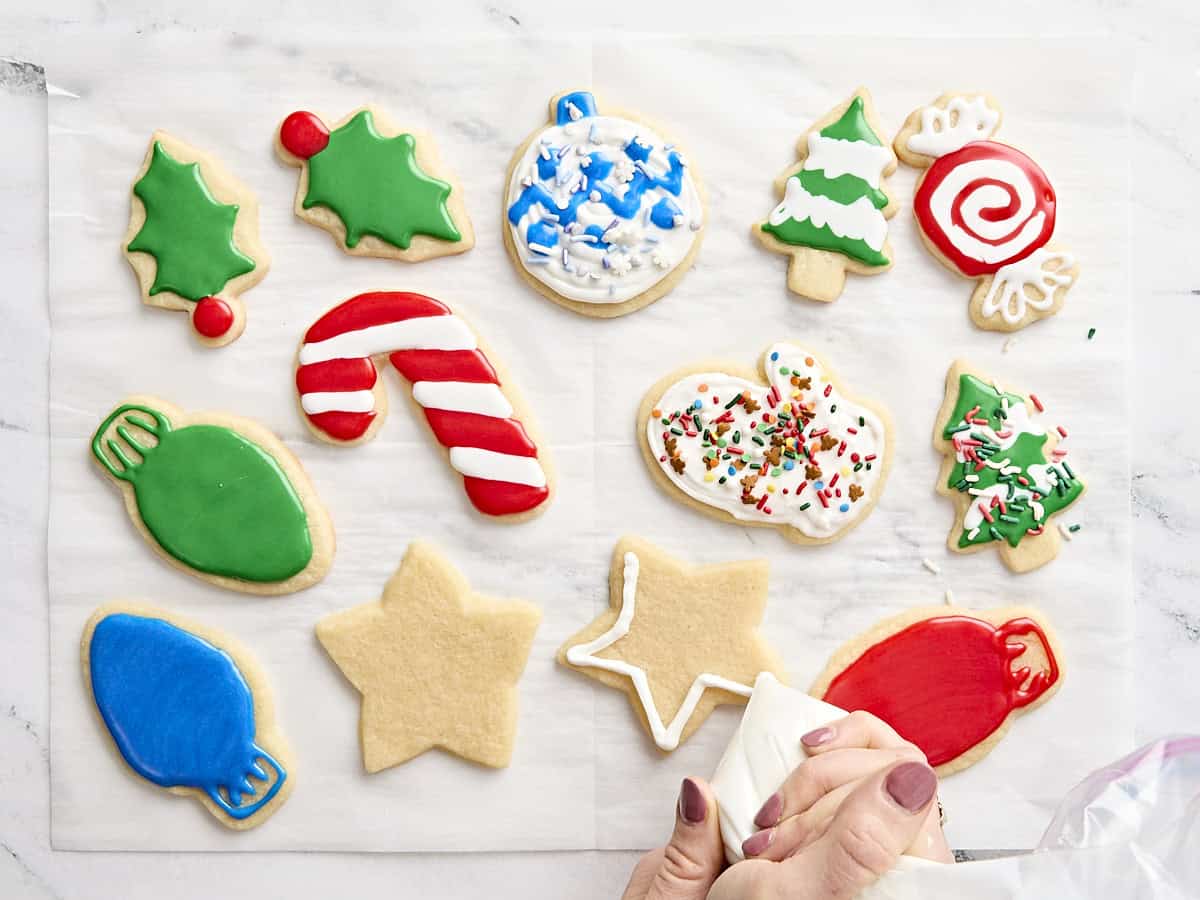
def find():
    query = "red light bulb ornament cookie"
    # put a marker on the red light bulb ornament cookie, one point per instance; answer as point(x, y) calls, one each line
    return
point(986, 211)
point(193, 238)
point(378, 189)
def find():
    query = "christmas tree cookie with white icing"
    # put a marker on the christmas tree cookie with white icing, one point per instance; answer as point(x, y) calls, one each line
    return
point(832, 218)
point(380, 190)
point(987, 211)
point(1008, 475)
point(193, 238)
point(602, 214)
point(797, 453)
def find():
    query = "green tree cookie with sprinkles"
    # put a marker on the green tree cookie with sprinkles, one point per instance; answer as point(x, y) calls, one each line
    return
point(193, 238)
point(1007, 474)
point(378, 189)
point(834, 202)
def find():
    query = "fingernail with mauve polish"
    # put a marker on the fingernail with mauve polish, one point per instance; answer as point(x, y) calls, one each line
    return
point(817, 737)
point(770, 812)
point(758, 842)
point(692, 805)
point(912, 785)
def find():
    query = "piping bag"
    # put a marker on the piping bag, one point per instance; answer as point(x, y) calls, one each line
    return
point(763, 752)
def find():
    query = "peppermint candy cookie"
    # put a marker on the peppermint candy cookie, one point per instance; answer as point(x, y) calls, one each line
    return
point(797, 453)
point(986, 211)
point(603, 214)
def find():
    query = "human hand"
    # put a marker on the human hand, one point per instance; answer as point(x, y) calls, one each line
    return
point(842, 819)
point(686, 868)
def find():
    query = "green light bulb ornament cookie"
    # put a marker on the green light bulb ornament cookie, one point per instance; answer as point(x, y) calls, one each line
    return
point(193, 238)
point(217, 496)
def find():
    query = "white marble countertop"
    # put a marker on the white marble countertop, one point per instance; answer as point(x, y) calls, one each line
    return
point(1165, 39)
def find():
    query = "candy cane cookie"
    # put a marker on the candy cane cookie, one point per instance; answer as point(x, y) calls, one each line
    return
point(471, 408)
point(986, 211)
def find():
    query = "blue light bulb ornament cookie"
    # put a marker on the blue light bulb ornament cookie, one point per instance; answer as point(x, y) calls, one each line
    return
point(187, 711)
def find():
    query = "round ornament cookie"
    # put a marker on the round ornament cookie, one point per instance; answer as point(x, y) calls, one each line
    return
point(797, 453)
point(835, 202)
point(602, 213)
point(380, 190)
point(987, 211)
point(193, 238)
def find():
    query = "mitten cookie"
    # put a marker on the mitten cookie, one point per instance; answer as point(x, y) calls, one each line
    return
point(797, 453)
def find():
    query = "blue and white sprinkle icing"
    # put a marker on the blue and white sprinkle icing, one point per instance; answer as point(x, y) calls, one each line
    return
point(601, 208)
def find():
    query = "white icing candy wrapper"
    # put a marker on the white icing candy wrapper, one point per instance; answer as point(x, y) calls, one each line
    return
point(763, 752)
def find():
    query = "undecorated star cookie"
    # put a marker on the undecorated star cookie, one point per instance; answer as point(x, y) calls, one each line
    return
point(1007, 475)
point(678, 639)
point(193, 238)
point(189, 710)
point(437, 665)
point(987, 211)
point(835, 202)
point(797, 453)
point(380, 190)
point(947, 679)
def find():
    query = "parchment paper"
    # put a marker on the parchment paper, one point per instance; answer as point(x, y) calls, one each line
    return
point(584, 775)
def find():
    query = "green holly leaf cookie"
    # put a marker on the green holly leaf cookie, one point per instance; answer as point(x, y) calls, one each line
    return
point(375, 186)
point(187, 230)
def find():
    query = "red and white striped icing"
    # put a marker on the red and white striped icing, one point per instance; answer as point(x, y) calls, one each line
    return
point(451, 378)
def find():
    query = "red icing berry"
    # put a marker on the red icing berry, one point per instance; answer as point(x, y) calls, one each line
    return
point(212, 317)
point(303, 134)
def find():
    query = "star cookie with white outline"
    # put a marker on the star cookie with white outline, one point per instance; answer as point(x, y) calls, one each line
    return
point(677, 639)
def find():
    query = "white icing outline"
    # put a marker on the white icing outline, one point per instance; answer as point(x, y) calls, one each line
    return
point(976, 122)
point(583, 655)
point(1006, 294)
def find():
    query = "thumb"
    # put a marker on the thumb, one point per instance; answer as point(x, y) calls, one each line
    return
point(694, 856)
point(872, 828)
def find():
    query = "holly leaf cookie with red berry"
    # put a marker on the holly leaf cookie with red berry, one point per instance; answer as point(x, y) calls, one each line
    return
point(193, 238)
point(378, 189)
point(797, 453)
point(947, 679)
